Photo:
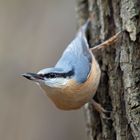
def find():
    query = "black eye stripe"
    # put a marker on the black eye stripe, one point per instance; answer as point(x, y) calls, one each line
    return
point(51, 75)
point(57, 75)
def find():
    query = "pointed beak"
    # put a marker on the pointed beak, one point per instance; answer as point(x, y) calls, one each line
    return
point(33, 76)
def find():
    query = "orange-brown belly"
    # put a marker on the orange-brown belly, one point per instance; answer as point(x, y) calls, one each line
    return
point(69, 101)
point(74, 95)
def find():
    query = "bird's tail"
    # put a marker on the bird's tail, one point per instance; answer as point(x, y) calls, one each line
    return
point(83, 29)
point(110, 41)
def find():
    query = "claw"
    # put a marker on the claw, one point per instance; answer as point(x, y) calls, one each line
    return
point(103, 112)
point(106, 115)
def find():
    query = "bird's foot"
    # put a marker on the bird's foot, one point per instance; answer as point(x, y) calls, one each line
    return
point(103, 112)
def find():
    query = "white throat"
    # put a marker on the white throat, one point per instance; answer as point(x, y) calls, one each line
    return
point(56, 82)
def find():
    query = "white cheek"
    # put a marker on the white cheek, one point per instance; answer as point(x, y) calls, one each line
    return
point(56, 82)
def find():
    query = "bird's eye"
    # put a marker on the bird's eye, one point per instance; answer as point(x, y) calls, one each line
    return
point(41, 75)
point(50, 75)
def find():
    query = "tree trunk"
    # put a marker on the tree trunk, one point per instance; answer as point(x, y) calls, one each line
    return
point(119, 88)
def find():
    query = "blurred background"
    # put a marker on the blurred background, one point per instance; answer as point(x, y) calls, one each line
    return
point(33, 35)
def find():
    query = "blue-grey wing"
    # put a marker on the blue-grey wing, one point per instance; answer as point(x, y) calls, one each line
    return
point(77, 57)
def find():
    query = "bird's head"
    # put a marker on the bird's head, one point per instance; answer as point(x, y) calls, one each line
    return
point(51, 77)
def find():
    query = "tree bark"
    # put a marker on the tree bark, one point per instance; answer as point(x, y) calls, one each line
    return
point(119, 88)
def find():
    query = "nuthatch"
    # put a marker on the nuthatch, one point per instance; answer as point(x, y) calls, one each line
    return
point(73, 81)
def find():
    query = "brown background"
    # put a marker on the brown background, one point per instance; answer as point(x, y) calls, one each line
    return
point(33, 34)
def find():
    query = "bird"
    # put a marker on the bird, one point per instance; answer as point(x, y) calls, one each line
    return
point(74, 80)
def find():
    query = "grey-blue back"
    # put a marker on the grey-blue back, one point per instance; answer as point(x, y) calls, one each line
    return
point(77, 57)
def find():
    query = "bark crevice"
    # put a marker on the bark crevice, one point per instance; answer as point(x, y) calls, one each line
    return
point(119, 88)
